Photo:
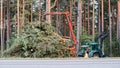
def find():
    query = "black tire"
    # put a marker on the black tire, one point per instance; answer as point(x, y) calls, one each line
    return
point(96, 55)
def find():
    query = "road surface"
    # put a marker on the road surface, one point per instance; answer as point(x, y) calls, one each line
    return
point(60, 63)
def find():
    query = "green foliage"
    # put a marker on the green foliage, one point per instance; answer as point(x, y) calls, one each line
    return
point(84, 37)
point(113, 2)
point(38, 40)
point(107, 46)
point(115, 48)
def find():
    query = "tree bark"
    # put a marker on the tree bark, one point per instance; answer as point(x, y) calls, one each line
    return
point(110, 30)
point(48, 2)
point(79, 24)
point(70, 8)
point(93, 23)
point(64, 26)
point(85, 16)
point(113, 19)
point(118, 24)
point(99, 17)
point(57, 17)
point(39, 11)
point(31, 15)
point(2, 28)
point(18, 18)
point(118, 18)
point(102, 15)
point(102, 3)
point(88, 17)
point(8, 22)
point(23, 16)
point(4, 23)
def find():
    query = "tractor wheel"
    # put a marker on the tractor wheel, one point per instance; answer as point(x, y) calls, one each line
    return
point(96, 55)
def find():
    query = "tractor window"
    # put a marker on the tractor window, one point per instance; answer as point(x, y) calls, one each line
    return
point(94, 47)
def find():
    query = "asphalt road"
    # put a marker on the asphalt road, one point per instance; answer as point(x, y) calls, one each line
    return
point(60, 63)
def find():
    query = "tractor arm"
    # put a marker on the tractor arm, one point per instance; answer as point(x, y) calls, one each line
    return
point(73, 47)
point(101, 36)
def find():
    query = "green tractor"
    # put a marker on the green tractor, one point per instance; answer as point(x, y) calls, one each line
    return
point(93, 49)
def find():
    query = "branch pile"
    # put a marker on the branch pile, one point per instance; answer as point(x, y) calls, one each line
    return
point(38, 41)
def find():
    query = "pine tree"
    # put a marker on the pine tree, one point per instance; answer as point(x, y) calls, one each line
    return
point(110, 24)
point(102, 21)
point(79, 23)
point(18, 18)
point(2, 40)
point(48, 2)
point(23, 14)
point(93, 19)
point(8, 22)
point(88, 17)
point(118, 24)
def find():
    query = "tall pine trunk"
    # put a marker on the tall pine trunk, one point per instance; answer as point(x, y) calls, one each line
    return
point(31, 12)
point(102, 15)
point(93, 19)
point(118, 18)
point(48, 2)
point(118, 24)
point(99, 17)
point(79, 24)
point(23, 14)
point(71, 8)
point(18, 18)
point(2, 24)
point(88, 17)
point(57, 17)
point(39, 16)
point(110, 25)
point(8, 22)
point(102, 21)
point(85, 16)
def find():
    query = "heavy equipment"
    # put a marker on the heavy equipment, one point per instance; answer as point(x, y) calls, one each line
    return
point(93, 49)
point(68, 19)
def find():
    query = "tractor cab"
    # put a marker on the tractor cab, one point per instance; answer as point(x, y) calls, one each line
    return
point(93, 45)
point(92, 48)
point(83, 48)
point(95, 50)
